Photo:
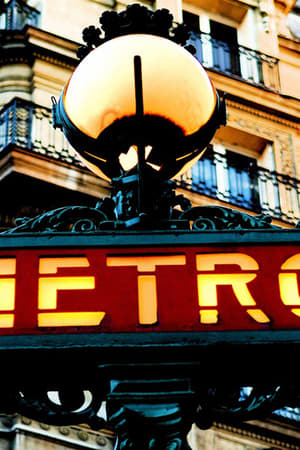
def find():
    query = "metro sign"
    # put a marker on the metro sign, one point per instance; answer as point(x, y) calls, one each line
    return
point(158, 282)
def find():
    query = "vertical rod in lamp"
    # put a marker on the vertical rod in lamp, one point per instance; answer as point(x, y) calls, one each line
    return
point(139, 114)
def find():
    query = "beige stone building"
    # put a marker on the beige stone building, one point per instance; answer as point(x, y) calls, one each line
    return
point(250, 49)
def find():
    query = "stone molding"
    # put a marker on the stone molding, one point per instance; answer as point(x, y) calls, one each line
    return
point(263, 114)
point(17, 47)
point(260, 435)
point(282, 139)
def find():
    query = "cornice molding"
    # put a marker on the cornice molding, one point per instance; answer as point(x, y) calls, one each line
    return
point(292, 44)
point(255, 433)
point(263, 112)
point(286, 5)
point(16, 48)
point(282, 138)
point(82, 437)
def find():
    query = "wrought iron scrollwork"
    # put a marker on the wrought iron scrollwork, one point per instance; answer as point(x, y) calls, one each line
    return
point(81, 219)
point(67, 219)
point(65, 407)
point(237, 404)
point(146, 415)
point(220, 218)
point(134, 19)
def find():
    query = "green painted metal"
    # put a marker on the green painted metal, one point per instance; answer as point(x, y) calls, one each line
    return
point(151, 238)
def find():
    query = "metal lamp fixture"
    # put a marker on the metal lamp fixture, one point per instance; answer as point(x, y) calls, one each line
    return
point(139, 104)
point(100, 112)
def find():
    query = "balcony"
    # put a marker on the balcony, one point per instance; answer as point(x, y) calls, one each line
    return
point(15, 14)
point(237, 61)
point(253, 188)
point(27, 127)
point(24, 125)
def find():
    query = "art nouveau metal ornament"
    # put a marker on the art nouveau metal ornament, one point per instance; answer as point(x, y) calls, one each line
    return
point(139, 110)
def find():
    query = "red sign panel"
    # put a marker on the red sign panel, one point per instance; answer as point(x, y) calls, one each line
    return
point(184, 288)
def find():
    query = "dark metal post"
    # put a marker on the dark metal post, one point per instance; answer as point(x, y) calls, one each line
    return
point(139, 114)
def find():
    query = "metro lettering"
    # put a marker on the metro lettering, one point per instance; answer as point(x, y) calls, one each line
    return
point(147, 292)
point(288, 283)
point(207, 284)
point(7, 291)
point(191, 289)
point(47, 294)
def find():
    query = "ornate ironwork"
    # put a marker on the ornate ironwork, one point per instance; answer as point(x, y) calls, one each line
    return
point(15, 14)
point(153, 414)
point(55, 407)
point(276, 194)
point(151, 405)
point(243, 62)
point(155, 387)
point(86, 219)
point(251, 187)
point(23, 125)
point(150, 414)
point(135, 19)
point(219, 218)
point(67, 219)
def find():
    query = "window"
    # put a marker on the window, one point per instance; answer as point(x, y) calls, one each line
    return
point(242, 180)
point(225, 48)
point(217, 47)
point(216, 44)
point(238, 179)
point(204, 174)
point(191, 21)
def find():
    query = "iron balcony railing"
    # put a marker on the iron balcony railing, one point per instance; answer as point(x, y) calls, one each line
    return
point(254, 188)
point(236, 60)
point(15, 14)
point(27, 126)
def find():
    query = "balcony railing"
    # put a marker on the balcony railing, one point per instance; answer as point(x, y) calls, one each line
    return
point(15, 14)
point(27, 126)
point(255, 188)
point(238, 61)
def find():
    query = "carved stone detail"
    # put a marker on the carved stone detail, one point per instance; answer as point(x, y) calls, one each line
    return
point(282, 139)
point(251, 111)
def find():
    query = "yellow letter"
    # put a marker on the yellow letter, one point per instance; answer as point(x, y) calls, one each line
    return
point(207, 284)
point(147, 294)
point(288, 283)
point(7, 291)
point(49, 285)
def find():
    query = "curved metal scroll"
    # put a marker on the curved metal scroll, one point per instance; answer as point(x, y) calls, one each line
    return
point(67, 219)
point(220, 218)
point(66, 407)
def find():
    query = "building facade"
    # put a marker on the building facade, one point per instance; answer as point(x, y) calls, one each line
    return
point(250, 49)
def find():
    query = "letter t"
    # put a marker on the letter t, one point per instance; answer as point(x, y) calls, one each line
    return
point(147, 292)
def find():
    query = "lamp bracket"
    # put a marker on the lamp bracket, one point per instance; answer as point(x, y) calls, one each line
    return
point(152, 413)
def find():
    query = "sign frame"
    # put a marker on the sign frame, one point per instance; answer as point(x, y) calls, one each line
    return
point(185, 377)
point(244, 352)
